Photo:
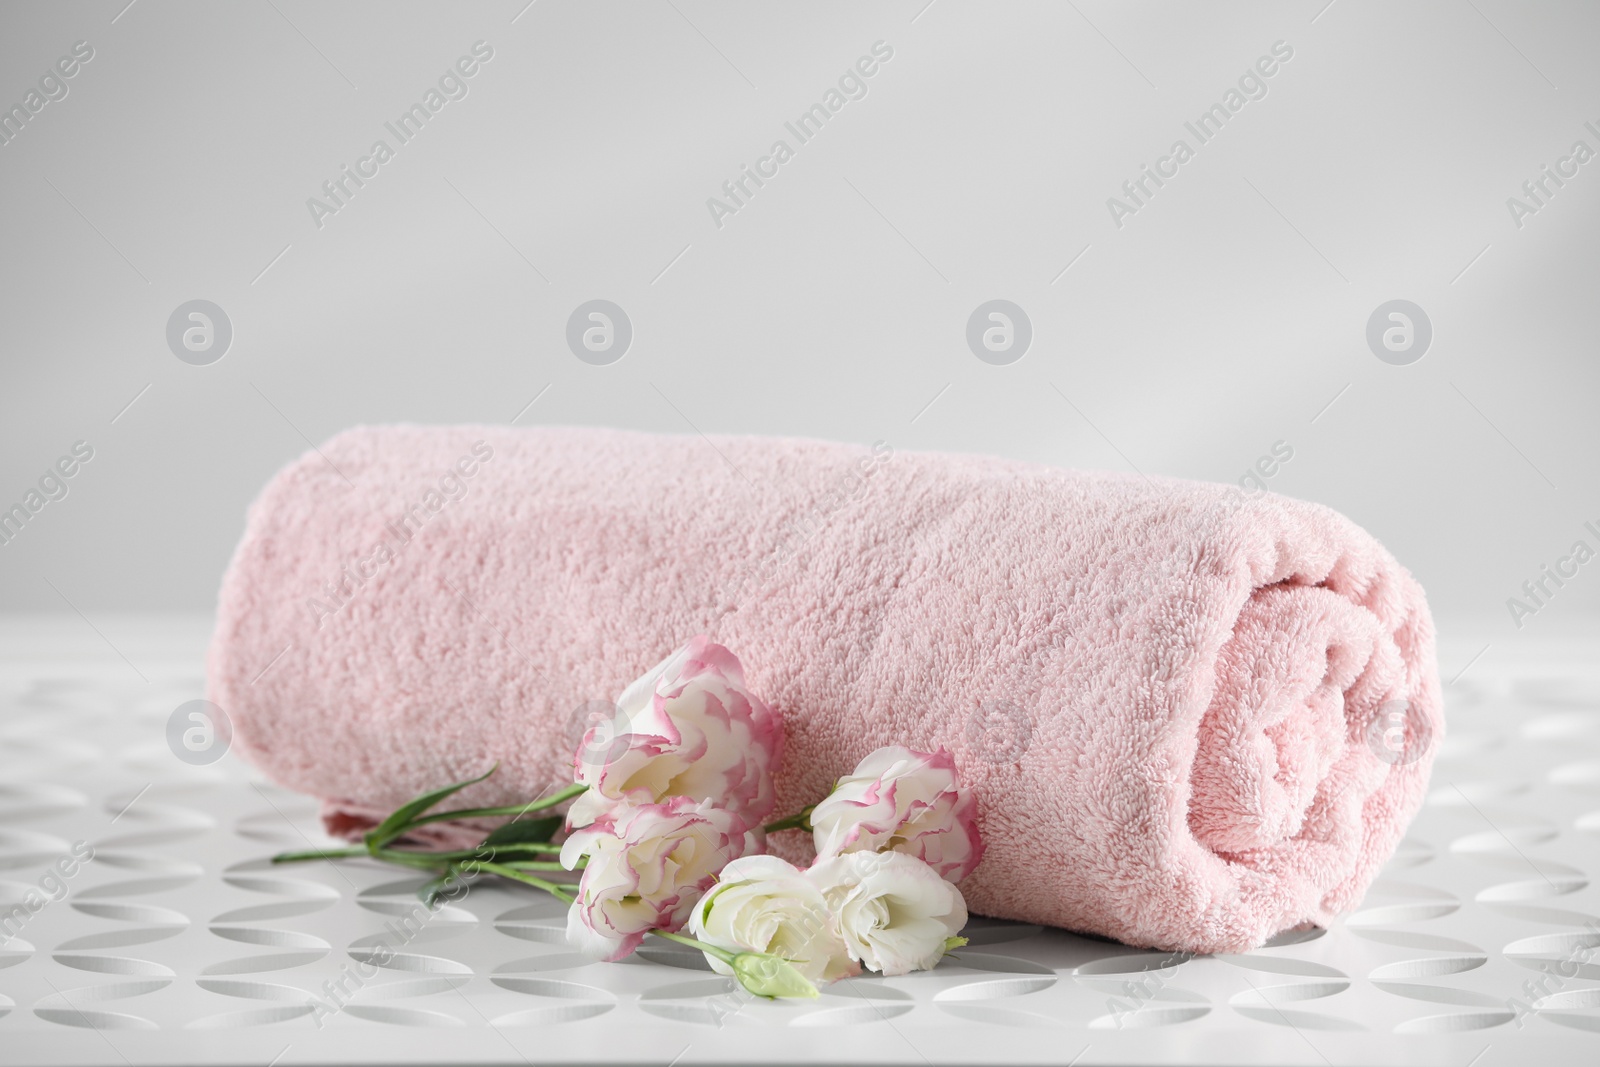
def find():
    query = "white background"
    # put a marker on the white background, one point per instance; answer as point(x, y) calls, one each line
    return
point(1228, 314)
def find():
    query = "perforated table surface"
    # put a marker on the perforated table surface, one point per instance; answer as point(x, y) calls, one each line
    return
point(179, 943)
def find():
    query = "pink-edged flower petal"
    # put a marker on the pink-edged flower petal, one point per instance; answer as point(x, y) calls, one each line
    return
point(647, 866)
point(689, 727)
point(898, 800)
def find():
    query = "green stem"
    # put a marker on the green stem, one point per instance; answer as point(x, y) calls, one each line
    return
point(560, 892)
point(467, 854)
point(711, 950)
point(319, 854)
point(428, 860)
point(535, 865)
point(511, 809)
point(425, 860)
point(436, 860)
point(801, 820)
point(516, 870)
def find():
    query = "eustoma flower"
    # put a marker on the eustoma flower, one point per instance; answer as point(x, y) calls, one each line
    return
point(762, 904)
point(667, 829)
point(902, 801)
point(896, 914)
point(689, 728)
point(647, 867)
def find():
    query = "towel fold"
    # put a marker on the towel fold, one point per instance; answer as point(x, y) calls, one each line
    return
point(1194, 718)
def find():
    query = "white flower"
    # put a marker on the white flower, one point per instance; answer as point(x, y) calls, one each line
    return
point(895, 912)
point(903, 801)
point(762, 904)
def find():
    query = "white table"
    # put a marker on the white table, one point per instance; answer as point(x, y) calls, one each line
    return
point(179, 944)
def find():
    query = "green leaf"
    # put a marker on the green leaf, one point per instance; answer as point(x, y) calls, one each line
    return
point(525, 831)
point(432, 890)
point(516, 811)
point(399, 820)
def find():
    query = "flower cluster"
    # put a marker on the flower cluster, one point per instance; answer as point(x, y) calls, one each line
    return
point(667, 826)
point(669, 837)
point(670, 800)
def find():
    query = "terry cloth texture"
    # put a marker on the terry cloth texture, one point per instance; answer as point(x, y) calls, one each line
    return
point(1169, 696)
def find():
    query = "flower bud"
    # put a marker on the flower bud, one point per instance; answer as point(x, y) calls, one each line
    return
point(768, 976)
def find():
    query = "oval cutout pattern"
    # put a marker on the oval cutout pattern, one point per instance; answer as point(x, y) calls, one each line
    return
point(995, 989)
point(855, 1015)
point(394, 1016)
point(237, 1020)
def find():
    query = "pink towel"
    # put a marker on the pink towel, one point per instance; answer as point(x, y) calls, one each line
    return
point(1193, 718)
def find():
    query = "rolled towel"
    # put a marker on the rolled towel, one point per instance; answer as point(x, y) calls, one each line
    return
point(1194, 717)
